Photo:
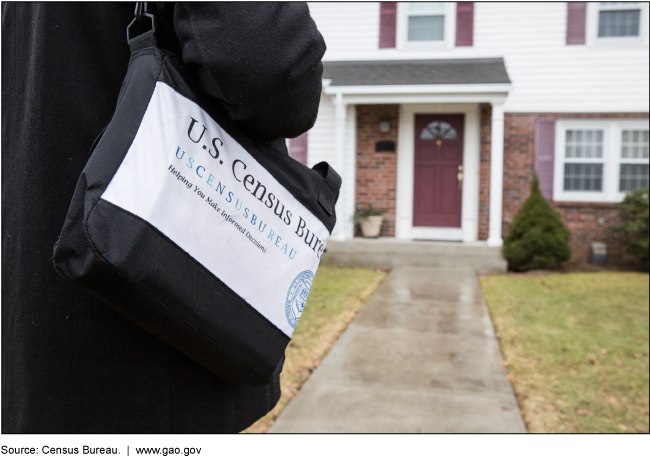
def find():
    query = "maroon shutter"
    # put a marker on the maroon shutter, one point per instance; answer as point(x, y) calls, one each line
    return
point(387, 24)
point(545, 155)
point(576, 23)
point(298, 148)
point(465, 24)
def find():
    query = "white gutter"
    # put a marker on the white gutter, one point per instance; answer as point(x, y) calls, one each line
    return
point(415, 88)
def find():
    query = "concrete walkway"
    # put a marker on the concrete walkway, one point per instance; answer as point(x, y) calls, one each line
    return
point(420, 357)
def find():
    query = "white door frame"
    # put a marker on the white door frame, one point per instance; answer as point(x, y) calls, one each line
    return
point(468, 232)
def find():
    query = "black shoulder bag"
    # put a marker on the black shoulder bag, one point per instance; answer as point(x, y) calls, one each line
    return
point(205, 238)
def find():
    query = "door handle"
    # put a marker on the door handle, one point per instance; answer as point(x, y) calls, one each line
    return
point(460, 177)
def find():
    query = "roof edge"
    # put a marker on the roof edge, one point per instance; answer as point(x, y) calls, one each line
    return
point(476, 60)
point(483, 88)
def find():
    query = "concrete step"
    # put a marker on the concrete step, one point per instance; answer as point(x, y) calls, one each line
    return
point(390, 253)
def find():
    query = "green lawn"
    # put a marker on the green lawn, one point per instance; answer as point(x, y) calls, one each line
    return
point(576, 348)
point(335, 298)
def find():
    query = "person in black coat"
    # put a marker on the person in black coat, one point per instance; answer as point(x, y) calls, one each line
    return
point(70, 363)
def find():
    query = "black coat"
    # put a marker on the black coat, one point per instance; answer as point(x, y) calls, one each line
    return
point(69, 362)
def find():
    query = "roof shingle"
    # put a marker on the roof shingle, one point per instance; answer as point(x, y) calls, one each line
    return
point(431, 71)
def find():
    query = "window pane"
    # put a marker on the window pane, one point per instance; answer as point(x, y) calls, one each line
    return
point(634, 144)
point(624, 23)
point(583, 177)
point(584, 144)
point(633, 176)
point(439, 130)
point(426, 28)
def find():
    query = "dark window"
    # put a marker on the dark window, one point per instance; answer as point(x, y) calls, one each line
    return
point(583, 177)
point(426, 28)
point(633, 176)
point(426, 21)
point(619, 23)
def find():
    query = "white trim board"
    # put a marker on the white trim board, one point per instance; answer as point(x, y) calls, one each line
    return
point(473, 98)
point(436, 234)
point(404, 228)
point(419, 89)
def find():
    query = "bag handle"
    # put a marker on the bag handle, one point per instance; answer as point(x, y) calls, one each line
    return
point(329, 189)
point(146, 39)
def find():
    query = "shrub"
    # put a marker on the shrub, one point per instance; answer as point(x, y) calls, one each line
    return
point(360, 214)
point(634, 213)
point(537, 239)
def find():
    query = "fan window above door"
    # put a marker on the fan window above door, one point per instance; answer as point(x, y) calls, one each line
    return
point(438, 130)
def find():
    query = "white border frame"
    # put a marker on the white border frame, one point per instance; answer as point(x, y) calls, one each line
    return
point(611, 158)
point(468, 232)
point(402, 30)
point(593, 8)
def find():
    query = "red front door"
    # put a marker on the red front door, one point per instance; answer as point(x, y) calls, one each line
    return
point(438, 161)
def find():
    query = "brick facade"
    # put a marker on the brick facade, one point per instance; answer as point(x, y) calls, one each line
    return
point(484, 173)
point(377, 176)
point(587, 222)
point(377, 172)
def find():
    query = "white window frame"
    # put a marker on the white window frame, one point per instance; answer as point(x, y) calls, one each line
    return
point(402, 29)
point(593, 10)
point(611, 160)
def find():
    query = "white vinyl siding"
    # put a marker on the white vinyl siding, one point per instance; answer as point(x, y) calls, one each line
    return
point(321, 143)
point(547, 75)
point(322, 147)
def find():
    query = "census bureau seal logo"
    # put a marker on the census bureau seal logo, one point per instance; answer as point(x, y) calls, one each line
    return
point(297, 296)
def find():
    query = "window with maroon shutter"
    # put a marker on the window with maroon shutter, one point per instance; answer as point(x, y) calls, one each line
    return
point(298, 148)
point(387, 24)
point(599, 160)
point(576, 23)
point(545, 155)
point(465, 24)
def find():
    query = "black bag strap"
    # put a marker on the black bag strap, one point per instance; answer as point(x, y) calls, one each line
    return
point(329, 189)
point(146, 39)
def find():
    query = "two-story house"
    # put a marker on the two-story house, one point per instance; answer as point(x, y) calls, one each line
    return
point(441, 113)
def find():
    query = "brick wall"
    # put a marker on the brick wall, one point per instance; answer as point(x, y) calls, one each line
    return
point(377, 176)
point(484, 173)
point(377, 172)
point(587, 222)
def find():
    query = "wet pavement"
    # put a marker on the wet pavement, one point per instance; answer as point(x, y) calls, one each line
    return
point(421, 356)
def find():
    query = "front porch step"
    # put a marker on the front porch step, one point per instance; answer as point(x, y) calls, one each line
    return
point(390, 253)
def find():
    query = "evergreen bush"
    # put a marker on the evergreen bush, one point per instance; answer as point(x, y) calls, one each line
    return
point(537, 239)
point(634, 213)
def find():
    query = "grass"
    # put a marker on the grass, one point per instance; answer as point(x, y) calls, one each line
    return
point(335, 298)
point(576, 348)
